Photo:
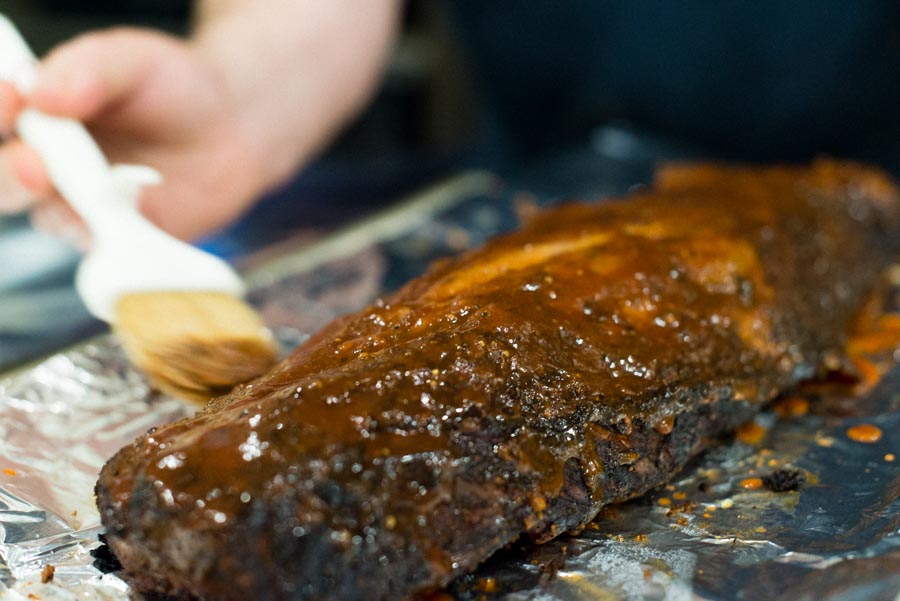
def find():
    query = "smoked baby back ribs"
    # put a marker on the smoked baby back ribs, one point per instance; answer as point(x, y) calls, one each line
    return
point(514, 390)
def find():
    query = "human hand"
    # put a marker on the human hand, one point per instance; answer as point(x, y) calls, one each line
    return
point(148, 99)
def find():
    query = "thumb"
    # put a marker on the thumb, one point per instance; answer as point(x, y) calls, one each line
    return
point(84, 76)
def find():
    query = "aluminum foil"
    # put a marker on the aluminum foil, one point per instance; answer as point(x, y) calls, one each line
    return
point(707, 535)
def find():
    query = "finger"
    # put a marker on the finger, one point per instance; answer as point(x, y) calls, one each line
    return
point(164, 211)
point(14, 197)
point(54, 216)
point(91, 72)
point(28, 168)
point(185, 215)
point(11, 103)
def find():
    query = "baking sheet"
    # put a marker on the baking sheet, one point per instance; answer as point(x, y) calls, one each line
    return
point(703, 537)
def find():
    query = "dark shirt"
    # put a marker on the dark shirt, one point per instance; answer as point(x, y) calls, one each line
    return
point(748, 80)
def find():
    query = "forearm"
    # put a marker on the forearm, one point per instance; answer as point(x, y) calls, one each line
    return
point(296, 70)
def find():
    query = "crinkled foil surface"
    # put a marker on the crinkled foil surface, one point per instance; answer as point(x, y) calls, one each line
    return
point(705, 536)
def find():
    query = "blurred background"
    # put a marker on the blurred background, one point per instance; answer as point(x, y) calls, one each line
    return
point(419, 128)
point(556, 96)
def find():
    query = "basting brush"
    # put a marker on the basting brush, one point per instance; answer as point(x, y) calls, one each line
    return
point(177, 310)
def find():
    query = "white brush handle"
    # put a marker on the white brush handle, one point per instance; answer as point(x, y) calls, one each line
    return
point(75, 165)
point(74, 161)
point(129, 255)
point(16, 59)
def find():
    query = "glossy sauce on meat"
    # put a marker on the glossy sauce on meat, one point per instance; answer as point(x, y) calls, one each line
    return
point(515, 389)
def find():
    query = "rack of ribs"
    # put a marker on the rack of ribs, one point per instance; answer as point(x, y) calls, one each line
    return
point(514, 390)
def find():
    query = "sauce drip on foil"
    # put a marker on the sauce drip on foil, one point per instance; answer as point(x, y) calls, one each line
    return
point(865, 433)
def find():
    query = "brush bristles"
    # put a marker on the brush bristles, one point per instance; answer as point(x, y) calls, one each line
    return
point(194, 345)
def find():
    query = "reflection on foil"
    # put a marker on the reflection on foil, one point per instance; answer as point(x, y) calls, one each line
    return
point(705, 536)
point(59, 421)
